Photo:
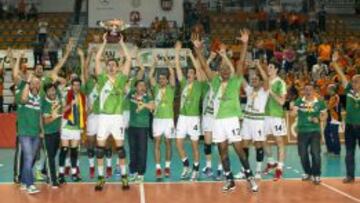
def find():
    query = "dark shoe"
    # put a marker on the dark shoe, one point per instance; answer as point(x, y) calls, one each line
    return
point(348, 180)
point(100, 184)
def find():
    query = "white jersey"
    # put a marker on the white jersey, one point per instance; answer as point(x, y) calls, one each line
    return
point(256, 103)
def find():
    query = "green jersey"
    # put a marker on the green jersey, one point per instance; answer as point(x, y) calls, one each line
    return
point(28, 115)
point(164, 101)
point(44, 80)
point(190, 97)
point(226, 97)
point(130, 85)
point(352, 106)
point(306, 111)
point(273, 108)
point(47, 107)
point(92, 94)
point(111, 94)
point(139, 116)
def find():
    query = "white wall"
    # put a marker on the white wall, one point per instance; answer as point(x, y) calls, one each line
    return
point(148, 9)
point(56, 5)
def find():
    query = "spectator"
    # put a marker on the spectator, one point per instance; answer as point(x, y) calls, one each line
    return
point(53, 46)
point(33, 12)
point(42, 31)
point(334, 120)
point(324, 52)
point(21, 9)
point(38, 49)
point(319, 69)
point(322, 19)
point(156, 25)
point(12, 107)
point(272, 20)
point(262, 16)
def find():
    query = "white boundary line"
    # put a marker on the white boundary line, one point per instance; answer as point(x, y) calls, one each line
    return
point(340, 192)
point(142, 193)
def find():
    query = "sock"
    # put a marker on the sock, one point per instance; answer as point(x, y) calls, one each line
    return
point(220, 167)
point(229, 175)
point(73, 171)
point(67, 162)
point(123, 169)
point(92, 162)
point(258, 166)
point(280, 165)
point(74, 157)
point(108, 162)
point(167, 164)
point(208, 164)
point(61, 170)
point(185, 162)
point(158, 166)
point(271, 160)
point(196, 166)
point(101, 171)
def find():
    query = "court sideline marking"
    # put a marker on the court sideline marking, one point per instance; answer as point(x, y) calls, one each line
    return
point(142, 193)
point(340, 192)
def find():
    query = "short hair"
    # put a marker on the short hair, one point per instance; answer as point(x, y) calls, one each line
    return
point(112, 59)
point(77, 79)
point(139, 81)
point(49, 86)
point(275, 63)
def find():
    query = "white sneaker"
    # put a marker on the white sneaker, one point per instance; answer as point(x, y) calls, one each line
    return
point(23, 187)
point(253, 186)
point(195, 176)
point(32, 189)
point(258, 175)
point(186, 173)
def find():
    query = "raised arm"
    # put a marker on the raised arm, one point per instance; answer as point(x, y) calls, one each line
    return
point(26, 90)
point(179, 72)
point(244, 38)
point(198, 49)
point(338, 70)
point(127, 64)
point(81, 55)
point(16, 68)
point(226, 59)
point(54, 73)
point(152, 72)
point(172, 80)
point(199, 73)
point(141, 72)
point(263, 74)
point(99, 55)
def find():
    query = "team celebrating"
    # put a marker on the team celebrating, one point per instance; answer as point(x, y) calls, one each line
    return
point(115, 99)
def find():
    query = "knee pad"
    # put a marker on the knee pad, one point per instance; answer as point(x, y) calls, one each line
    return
point(207, 149)
point(121, 152)
point(100, 152)
point(108, 152)
point(260, 154)
point(91, 152)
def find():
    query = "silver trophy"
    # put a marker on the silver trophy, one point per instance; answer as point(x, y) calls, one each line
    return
point(114, 28)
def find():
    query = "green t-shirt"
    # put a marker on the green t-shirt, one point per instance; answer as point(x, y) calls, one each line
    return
point(273, 108)
point(46, 110)
point(111, 94)
point(44, 80)
point(352, 106)
point(226, 97)
point(164, 101)
point(92, 94)
point(141, 118)
point(191, 97)
point(28, 115)
point(126, 103)
point(307, 110)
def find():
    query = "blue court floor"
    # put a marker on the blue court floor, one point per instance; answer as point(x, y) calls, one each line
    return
point(331, 166)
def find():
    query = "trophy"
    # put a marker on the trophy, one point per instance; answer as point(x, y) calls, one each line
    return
point(113, 27)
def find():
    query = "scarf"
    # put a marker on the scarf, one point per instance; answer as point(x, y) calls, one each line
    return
point(218, 97)
point(76, 115)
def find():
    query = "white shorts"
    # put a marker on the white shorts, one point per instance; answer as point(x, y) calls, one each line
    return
point(110, 125)
point(92, 125)
point(275, 126)
point(126, 116)
point(207, 123)
point(227, 129)
point(163, 127)
point(188, 125)
point(70, 134)
point(253, 130)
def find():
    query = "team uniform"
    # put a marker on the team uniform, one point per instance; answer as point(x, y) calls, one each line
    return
point(275, 115)
point(227, 109)
point(207, 121)
point(163, 123)
point(92, 106)
point(254, 115)
point(189, 118)
point(111, 98)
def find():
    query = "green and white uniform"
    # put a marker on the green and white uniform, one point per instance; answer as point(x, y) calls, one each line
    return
point(92, 103)
point(207, 121)
point(275, 123)
point(254, 114)
point(189, 118)
point(163, 123)
point(227, 109)
point(111, 98)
